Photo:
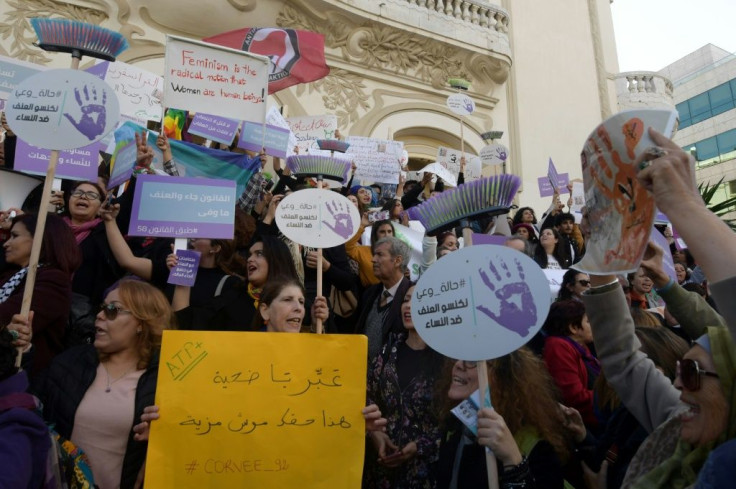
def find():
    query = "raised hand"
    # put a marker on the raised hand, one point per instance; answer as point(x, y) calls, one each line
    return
point(92, 122)
point(510, 291)
point(343, 226)
point(144, 153)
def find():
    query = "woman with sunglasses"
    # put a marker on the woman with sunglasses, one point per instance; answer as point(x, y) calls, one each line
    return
point(574, 283)
point(93, 393)
point(687, 420)
point(59, 259)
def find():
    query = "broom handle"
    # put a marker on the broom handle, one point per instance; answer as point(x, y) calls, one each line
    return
point(25, 308)
point(319, 328)
point(491, 466)
point(462, 138)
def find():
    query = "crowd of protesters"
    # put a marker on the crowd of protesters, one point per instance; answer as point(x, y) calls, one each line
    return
point(609, 394)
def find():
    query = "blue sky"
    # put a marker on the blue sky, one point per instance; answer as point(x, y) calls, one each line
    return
point(650, 34)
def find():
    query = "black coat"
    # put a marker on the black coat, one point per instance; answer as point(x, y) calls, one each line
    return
point(62, 387)
point(392, 321)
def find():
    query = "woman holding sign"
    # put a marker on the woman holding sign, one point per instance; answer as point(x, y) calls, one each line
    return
point(525, 432)
point(92, 393)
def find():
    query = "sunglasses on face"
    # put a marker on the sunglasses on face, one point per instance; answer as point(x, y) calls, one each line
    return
point(584, 283)
point(689, 372)
point(111, 310)
point(89, 195)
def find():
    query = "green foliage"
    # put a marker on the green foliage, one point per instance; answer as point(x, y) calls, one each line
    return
point(708, 192)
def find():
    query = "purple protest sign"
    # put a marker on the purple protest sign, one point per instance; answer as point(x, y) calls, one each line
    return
point(554, 178)
point(276, 141)
point(74, 164)
point(491, 239)
point(545, 188)
point(213, 127)
point(182, 207)
point(185, 271)
point(668, 264)
point(123, 162)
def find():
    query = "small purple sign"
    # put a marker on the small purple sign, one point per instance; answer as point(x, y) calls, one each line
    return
point(491, 239)
point(183, 207)
point(74, 164)
point(214, 127)
point(276, 141)
point(545, 187)
point(123, 163)
point(668, 263)
point(185, 271)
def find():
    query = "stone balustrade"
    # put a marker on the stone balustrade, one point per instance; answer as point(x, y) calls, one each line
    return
point(643, 89)
point(476, 12)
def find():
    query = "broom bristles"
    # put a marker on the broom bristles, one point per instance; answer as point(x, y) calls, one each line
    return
point(68, 36)
point(487, 196)
point(333, 145)
point(318, 165)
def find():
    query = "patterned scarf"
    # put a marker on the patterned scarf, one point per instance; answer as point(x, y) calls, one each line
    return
point(255, 294)
point(9, 287)
point(81, 231)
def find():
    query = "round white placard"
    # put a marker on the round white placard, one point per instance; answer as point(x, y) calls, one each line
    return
point(62, 109)
point(460, 104)
point(493, 154)
point(480, 302)
point(317, 218)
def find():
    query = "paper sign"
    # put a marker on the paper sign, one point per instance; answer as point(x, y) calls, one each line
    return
point(620, 210)
point(554, 179)
point(123, 162)
point(74, 164)
point(377, 159)
point(493, 154)
point(139, 91)
point(578, 197)
point(180, 207)
point(276, 140)
point(554, 278)
point(212, 127)
point(185, 271)
point(480, 302)
point(308, 129)
point(203, 77)
point(258, 410)
point(450, 159)
point(14, 71)
point(62, 109)
point(274, 118)
point(545, 188)
point(460, 104)
point(467, 411)
point(318, 218)
point(668, 264)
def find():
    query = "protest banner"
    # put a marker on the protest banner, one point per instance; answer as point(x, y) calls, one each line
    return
point(546, 189)
point(620, 210)
point(480, 302)
point(74, 164)
point(378, 160)
point(12, 72)
point(450, 159)
point(258, 410)
point(318, 218)
point(185, 271)
point(213, 79)
point(275, 141)
point(180, 207)
point(138, 90)
point(308, 129)
point(220, 129)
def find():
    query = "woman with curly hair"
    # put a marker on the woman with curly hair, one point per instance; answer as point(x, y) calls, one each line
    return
point(523, 429)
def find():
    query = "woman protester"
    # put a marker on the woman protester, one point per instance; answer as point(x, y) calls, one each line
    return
point(52, 290)
point(551, 253)
point(401, 382)
point(93, 393)
point(574, 283)
point(523, 429)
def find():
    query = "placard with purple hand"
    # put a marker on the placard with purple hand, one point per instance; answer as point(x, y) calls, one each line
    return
point(480, 302)
point(62, 109)
point(317, 218)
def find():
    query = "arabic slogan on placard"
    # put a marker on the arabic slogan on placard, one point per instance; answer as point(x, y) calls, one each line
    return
point(272, 410)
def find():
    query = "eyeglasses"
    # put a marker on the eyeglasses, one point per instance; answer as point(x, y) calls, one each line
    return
point(689, 372)
point(469, 365)
point(89, 195)
point(584, 283)
point(111, 310)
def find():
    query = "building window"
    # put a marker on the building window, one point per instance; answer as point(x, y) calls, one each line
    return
point(716, 149)
point(707, 104)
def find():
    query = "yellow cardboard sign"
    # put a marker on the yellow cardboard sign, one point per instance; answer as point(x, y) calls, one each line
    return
point(258, 410)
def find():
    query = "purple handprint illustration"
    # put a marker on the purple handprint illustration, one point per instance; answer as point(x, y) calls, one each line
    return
point(510, 291)
point(343, 226)
point(469, 106)
point(92, 122)
point(501, 153)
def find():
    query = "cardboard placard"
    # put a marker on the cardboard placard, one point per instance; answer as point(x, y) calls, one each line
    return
point(480, 302)
point(139, 91)
point(62, 109)
point(220, 129)
point(185, 271)
point(450, 159)
point(180, 207)
point(308, 129)
point(276, 140)
point(257, 410)
point(212, 79)
point(317, 218)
